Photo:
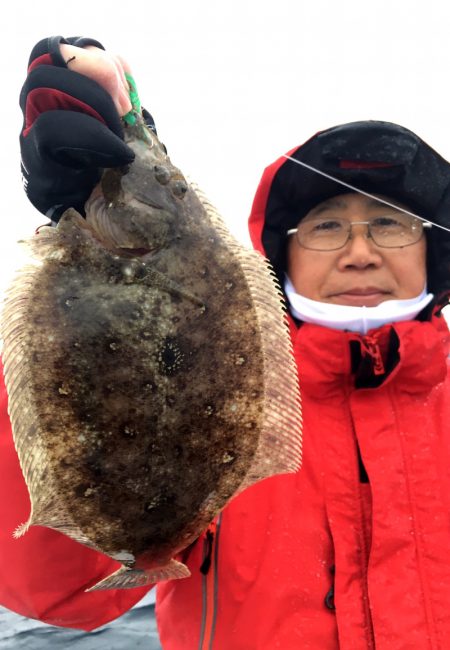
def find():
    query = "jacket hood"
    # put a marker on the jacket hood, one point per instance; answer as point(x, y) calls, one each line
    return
point(373, 156)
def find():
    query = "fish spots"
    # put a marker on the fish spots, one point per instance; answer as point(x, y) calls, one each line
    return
point(85, 490)
point(108, 389)
point(170, 357)
point(57, 254)
point(228, 458)
point(130, 431)
point(126, 309)
point(162, 501)
point(64, 389)
point(136, 314)
point(148, 386)
point(151, 505)
point(108, 346)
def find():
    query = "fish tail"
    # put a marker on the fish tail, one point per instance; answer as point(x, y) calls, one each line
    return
point(127, 578)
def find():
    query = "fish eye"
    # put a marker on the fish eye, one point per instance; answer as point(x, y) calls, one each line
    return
point(162, 174)
point(179, 188)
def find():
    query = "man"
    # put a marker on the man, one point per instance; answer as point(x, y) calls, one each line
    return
point(350, 553)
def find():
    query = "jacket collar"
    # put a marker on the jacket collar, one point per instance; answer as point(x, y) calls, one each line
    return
point(326, 363)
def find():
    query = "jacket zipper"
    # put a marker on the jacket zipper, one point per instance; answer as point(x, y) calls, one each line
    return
point(209, 569)
point(370, 345)
point(364, 546)
point(365, 566)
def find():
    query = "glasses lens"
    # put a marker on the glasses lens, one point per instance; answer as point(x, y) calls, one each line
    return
point(395, 230)
point(323, 233)
point(330, 233)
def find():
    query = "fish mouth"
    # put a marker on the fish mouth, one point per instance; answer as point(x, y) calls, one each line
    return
point(135, 252)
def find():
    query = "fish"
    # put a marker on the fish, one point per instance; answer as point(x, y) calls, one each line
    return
point(148, 367)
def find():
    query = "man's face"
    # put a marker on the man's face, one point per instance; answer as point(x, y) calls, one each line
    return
point(361, 273)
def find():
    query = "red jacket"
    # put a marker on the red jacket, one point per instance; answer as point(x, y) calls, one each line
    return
point(273, 553)
point(351, 553)
point(384, 544)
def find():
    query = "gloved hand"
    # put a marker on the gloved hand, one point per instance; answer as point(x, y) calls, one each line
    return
point(71, 130)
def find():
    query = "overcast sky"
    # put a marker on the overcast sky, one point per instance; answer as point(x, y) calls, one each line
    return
point(234, 84)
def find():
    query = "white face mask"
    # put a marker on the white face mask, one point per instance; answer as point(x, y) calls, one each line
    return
point(354, 319)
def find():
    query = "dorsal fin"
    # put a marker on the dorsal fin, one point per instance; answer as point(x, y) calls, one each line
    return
point(282, 420)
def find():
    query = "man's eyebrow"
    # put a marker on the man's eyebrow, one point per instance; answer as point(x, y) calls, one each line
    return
point(374, 203)
point(340, 203)
point(329, 204)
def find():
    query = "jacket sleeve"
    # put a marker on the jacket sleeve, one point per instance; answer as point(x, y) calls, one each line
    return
point(44, 574)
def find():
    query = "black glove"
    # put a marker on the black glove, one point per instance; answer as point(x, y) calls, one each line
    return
point(71, 131)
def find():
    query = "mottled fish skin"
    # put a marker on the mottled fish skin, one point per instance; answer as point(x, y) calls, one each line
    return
point(145, 388)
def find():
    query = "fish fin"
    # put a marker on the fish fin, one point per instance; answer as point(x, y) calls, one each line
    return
point(46, 510)
point(127, 578)
point(54, 520)
point(49, 242)
point(26, 421)
point(21, 530)
point(26, 427)
point(279, 449)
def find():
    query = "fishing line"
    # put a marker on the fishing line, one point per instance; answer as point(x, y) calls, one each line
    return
point(371, 196)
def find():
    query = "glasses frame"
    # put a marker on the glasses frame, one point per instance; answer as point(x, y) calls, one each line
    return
point(294, 231)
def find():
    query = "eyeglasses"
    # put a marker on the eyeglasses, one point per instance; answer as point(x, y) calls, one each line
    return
point(329, 233)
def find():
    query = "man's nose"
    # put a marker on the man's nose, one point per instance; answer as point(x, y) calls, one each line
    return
point(360, 250)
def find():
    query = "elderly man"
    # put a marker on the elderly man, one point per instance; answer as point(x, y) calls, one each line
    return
point(352, 551)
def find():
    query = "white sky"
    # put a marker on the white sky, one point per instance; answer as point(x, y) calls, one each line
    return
point(234, 84)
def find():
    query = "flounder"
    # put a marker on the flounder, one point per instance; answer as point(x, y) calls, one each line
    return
point(148, 367)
